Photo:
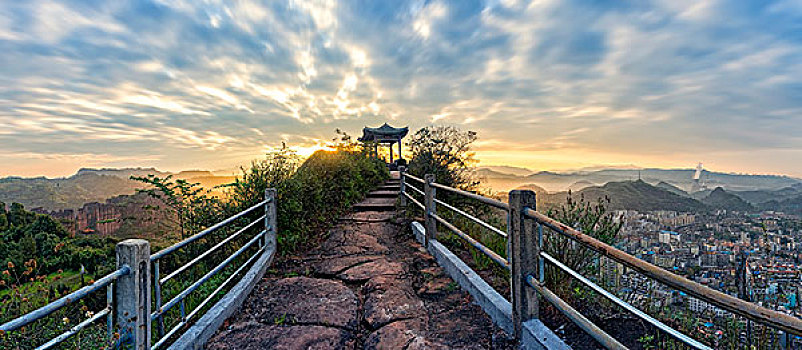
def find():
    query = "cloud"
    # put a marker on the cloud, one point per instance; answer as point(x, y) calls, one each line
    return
point(179, 79)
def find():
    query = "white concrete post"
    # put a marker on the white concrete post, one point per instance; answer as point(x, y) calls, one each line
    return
point(271, 220)
point(132, 293)
point(431, 224)
point(403, 198)
point(524, 258)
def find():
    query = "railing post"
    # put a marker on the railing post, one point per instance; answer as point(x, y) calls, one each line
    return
point(132, 293)
point(271, 221)
point(403, 198)
point(524, 258)
point(431, 224)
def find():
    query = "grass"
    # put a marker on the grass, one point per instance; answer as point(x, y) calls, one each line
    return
point(70, 279)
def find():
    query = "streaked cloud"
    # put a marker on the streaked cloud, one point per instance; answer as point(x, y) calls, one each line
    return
point(548, 83)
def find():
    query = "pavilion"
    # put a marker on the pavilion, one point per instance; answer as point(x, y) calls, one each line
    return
point(384, 134)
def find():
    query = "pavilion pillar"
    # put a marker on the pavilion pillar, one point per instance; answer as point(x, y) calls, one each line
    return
point(399, 148)
point(391, 152)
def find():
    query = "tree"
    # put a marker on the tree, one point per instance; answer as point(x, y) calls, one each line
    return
point(444, 151)
point(249, 187)
point(189, 203)
point(592, 219)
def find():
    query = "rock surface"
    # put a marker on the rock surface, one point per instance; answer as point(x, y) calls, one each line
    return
point(254, 336)
point(303, 300)
point(370, 286)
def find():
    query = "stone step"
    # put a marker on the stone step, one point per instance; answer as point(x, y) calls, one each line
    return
point(374, 206)
point(383, 194)
point(389, 188)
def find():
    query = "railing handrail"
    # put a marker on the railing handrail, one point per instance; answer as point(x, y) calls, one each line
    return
point(504, 263)
point(472, 218)
point(748, 310)
point(725, 301)
point(206, 231)
point(493, 202)
point(63, 301)
point(413, 177)
point(627, 306)
point(210, 250)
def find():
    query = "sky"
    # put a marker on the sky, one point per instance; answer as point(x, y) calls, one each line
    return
point(548, 85)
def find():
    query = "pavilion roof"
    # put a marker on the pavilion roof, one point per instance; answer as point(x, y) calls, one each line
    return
point(382, 133)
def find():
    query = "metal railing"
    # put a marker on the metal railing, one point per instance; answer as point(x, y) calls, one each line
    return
point(106, 282)
point(180, 299)
point(526, 261)
point(129, 302)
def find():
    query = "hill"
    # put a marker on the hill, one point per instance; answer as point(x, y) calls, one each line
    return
point(762, 196)
point(671, 188)
point(189, 174)
point(579, 185)
point(120, 172)
point(791, 205)
point(540, 191)
point(679, 178)
point(637, 195)
point(90, 185)
point(493, 174)
point(507, 170)
point(721, 199)
point(64, 193)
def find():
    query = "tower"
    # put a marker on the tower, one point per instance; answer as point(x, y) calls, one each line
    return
point(697, 179)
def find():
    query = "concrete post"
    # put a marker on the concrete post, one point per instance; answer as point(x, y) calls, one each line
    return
point(524, 258)
point(403, 198)
point(431, 208)
point(132, 293)
point(431, 224)
point(271, 220)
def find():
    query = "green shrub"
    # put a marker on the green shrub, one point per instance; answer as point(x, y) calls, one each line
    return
point(444, 151)
point(310, 195)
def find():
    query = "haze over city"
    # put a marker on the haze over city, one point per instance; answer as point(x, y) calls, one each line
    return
point(548, 85)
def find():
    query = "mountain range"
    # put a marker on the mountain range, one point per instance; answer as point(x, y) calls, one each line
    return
point(501, 179)
point(89, 185)
point(642, 189)
point(656, 189)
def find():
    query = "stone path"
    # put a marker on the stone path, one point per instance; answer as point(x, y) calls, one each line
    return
point(368, 286)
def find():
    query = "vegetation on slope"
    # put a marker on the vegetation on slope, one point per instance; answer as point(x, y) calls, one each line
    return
point(671, 188)
point(311, 194)
point(721, 199)
point(637, 195)
point(66, 193)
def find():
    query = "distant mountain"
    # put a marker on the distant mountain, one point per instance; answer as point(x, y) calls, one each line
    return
point(681, 178)
point(485, 173)
point(64, 193)
point(90, 185)
point(639, 195)
point(534, 188)
point(507, 170)
point(121, 172)
point(671, 188)
point(792, 205)
point(762, 196)
point(721, 199)
point(609, 167)
point(579, 185)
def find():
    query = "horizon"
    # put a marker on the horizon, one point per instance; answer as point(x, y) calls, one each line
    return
point(235, 170)
point(547, 85)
